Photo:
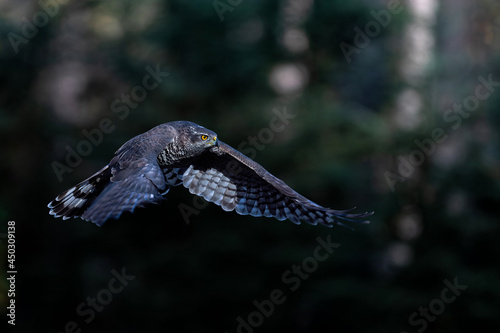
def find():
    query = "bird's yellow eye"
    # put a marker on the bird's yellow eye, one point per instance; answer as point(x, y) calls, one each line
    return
point(204, 137)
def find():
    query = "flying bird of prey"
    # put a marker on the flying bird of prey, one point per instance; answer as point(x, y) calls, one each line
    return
point(181, 152)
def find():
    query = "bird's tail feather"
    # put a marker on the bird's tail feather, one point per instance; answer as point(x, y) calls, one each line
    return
point(74, 201)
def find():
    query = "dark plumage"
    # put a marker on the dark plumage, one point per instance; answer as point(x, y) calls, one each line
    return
point(182, 152)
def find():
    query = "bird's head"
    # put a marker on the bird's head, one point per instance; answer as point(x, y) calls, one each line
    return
point(204, 138)
point(196, 139)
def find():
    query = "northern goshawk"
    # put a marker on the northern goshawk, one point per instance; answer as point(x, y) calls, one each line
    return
point(182, 152)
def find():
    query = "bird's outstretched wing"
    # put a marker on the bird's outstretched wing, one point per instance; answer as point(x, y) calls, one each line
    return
point(228, 178)
point(132, 179)
point(110, 192)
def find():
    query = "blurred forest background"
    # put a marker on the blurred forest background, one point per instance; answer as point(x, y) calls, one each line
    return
point(390, 110)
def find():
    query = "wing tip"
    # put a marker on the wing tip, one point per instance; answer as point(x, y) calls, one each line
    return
point(336, 216)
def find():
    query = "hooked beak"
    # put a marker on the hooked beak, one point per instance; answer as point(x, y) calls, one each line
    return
point(215, 141)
